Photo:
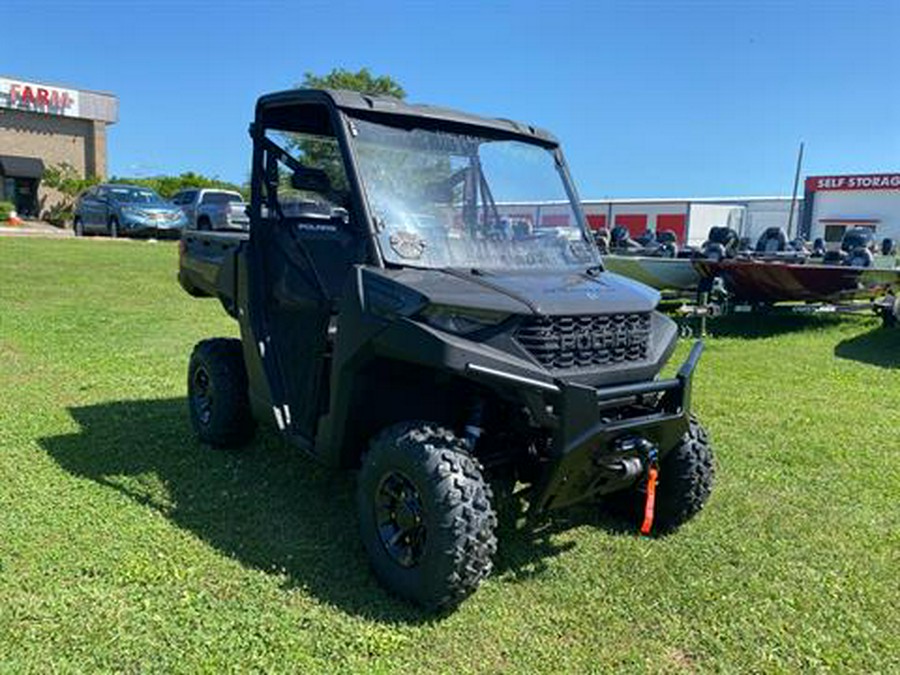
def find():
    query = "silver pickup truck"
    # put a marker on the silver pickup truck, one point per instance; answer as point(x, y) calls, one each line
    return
point(213, 209)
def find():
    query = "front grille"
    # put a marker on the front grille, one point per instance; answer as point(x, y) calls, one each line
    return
point(563, 342)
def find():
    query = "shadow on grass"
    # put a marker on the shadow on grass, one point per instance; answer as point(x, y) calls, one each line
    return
point(766, 324)
point(267, 506)
point(880, 347)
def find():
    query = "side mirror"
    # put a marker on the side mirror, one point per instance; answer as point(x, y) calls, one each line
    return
point(311, 180)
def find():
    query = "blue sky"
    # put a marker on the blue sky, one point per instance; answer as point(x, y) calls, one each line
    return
point(649, 99)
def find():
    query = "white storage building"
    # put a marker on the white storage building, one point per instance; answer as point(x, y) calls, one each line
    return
point(835, 203)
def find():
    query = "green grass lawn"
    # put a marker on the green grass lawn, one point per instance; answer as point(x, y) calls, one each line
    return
point(127, 546)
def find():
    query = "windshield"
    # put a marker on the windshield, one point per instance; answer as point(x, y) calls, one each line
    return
point(135, 196)
point(442, 199)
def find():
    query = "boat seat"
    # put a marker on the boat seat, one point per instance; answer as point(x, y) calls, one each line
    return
point(725, 237)
point(773, 240)
point(620, 238)
point(819, 250)
point(667, 237)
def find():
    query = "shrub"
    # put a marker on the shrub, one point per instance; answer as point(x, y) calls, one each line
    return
point(66, 180)
point(5, 209)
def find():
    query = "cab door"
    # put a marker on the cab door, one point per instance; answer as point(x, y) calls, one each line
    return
point(305, 239)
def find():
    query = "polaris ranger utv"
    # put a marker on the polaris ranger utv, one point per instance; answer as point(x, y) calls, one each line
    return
point(400, 318)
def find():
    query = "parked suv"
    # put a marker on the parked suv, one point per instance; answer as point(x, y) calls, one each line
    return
point(213, 209)
point(122, 210)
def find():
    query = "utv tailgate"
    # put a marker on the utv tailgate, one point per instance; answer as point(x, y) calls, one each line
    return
point(208, 264)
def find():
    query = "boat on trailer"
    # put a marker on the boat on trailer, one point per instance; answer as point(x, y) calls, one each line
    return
point(663, 274)
point(855, 271)
point(655, 260)
point(767, 281)
point(857, 277)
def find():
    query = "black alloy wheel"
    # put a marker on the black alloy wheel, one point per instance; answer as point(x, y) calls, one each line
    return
point(202, 396)
point(425, 512)
point(401, 519)
point(218, 396)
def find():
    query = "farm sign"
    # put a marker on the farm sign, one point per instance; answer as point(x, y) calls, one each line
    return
point(39, 98)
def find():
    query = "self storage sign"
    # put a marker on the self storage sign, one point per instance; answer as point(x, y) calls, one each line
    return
point(873, 181)
point(39, 98)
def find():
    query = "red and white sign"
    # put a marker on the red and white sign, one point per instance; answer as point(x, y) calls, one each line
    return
point(39, 98)
point(869, 181)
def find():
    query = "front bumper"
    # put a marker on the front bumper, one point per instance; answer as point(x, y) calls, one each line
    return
point(596, 429)
point(155, 228)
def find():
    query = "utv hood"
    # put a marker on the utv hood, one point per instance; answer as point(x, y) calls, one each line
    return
point(544, 292)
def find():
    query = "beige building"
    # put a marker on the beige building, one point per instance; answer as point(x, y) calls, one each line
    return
point(43, 125)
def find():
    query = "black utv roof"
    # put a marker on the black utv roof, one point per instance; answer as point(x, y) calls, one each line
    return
point(375, 107)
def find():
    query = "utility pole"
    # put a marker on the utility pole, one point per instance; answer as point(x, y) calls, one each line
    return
point(794, 193)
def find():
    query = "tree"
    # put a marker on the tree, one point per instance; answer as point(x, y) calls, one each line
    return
point(167, 186)
point(69, 184)
point(362, 81)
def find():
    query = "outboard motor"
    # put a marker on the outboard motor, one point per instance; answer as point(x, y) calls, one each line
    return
point(888, 246)
point(859, 243)
point(858, 237)
point(773, 240)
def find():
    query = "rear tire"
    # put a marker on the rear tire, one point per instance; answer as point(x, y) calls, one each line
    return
point(891, 313)
point(426, 517)
point(218, 399)
point(686, 476)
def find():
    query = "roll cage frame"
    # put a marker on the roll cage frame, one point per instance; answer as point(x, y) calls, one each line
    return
point(273, 111)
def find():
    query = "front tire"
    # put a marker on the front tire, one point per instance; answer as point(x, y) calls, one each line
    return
point(426, 517)
point(113, 228)
point(218, 399)
point(78, 227)
point(686, 476)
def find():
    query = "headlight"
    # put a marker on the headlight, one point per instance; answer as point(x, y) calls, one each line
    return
point(460, 320)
